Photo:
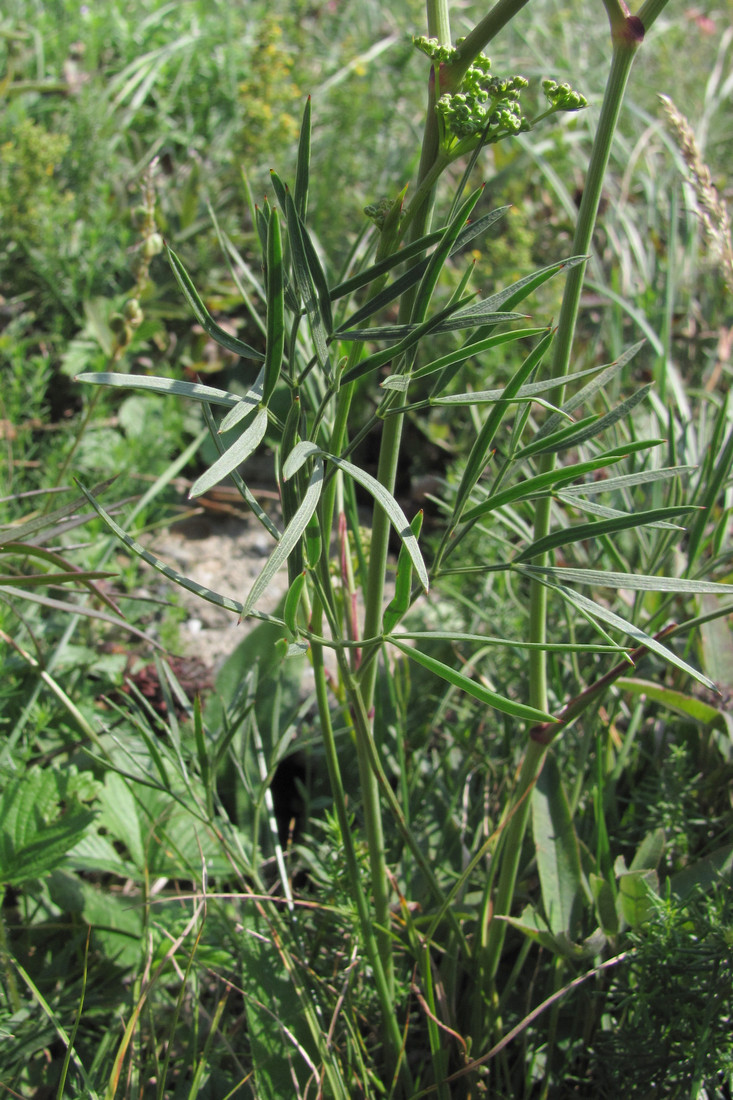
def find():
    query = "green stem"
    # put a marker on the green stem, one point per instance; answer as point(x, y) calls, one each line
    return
point(374, 949)
point(626, 34)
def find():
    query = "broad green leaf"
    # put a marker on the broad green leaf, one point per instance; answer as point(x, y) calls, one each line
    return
point(194, 390)
point(605, 902)
point(202, 315)
point(531, 924)
point(717, 645)
point(234, 456)
point(649, 852)
point(558, 856)
point(290, 538)
point(597, 612)
point(582, 531)
point(471, 687)
point(707, 874)
point(280, 1048)
point(636, 891)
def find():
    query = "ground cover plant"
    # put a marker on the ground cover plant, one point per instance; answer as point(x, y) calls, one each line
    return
point(499, 862)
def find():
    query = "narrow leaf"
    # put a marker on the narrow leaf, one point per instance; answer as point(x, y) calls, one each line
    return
point(471, 687)
point(634, 582)
point(558, 855)
point(584, 395)
point(291, 536)
point(275, 340)
point(246, 404)
point(204, 318)
point(481, 448)
point(302, 169)
point(394, 513)
point(583, 531)
point(167, 570)
point(400, 602)
point(234, 456)
point(596, 611)
point(626, 481)
point(194, 390)
point(585, 430)
point(541, 484)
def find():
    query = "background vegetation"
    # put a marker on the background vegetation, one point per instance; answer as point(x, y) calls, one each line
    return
point(177, 917)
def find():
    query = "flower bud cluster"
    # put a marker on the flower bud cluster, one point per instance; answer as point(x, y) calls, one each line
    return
point(378, 211)
point(484, 105)
point(562, 97)
point(151, 244)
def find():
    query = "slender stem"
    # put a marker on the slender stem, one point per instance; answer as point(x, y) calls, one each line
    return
point(627, 34)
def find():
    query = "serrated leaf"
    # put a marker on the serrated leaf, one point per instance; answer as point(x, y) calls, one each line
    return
point(40, 821)
point(234, 456)
point(471, 687)
point(290, 538)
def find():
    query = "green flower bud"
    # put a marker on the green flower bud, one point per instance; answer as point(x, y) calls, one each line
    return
point(152, 246)
point(133, 313)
